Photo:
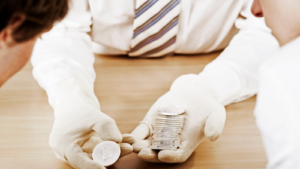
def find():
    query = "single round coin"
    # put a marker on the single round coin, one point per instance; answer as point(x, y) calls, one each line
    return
point(171, 110)
point(106, 153)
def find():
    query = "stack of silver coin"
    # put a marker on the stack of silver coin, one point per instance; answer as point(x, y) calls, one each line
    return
point(168, 127)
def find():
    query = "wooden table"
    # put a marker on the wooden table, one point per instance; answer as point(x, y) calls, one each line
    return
point(126, 88)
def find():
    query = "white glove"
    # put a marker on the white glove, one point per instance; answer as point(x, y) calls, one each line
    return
point(205, 116)
point(80, 125)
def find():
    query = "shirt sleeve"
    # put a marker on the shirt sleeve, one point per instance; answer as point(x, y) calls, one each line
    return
point(65, 52)
point(234, 73)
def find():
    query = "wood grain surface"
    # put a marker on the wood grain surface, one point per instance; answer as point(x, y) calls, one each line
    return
point(126, 88)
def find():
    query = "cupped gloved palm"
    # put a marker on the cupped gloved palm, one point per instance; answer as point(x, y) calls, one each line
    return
point(205, 116)
point(80, 125)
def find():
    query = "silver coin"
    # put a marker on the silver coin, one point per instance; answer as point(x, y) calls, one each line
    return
point(168, 122)
point(170, 129)
point(163, 138)
point(159, 116)
point(163, 144)
point(169, 125)
point(178, 120)
point(164, 147)
point(106, 153)
point(167, 117)
point(159, 129)
point(166, 135)
point(171, 109)
point(166, 141)
point(167, 131)
point(170, 119)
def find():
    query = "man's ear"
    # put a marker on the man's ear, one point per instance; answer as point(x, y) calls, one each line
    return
point(6, 35)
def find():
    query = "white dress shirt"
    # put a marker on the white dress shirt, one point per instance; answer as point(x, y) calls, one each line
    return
point(278, 107)
point(204, 26)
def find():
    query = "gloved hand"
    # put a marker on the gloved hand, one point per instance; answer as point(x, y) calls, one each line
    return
point(205, 116)
point(80, 125)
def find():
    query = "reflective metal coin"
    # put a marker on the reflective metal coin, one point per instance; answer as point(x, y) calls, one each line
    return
point(171, 110)
point(106, 153)
point(165, 129)
point(164, 147)
point(169, 125)
point(166, 135)
point(166, 142)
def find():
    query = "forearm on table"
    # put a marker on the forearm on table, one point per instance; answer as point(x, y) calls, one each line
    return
point(62, 56)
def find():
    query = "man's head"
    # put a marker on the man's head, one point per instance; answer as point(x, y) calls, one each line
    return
point(282, 16)
point(21, 23)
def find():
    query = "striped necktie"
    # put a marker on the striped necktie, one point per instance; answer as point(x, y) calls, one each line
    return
point(155, 28)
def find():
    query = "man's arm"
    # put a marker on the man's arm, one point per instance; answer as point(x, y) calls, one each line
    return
point(234, 73)
point(63, 66)
point(65, 51)
point(231, 77)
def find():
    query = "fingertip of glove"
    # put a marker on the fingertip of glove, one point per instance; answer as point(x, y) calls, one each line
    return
point(125, 149)
point(95, 165)
point(212, 132)
point(149, 155)
point(108, 130)
point(126, 146)
point(112, 136)
point(169, 156)
point(136, 149)
point(139, 145)
point(80, 163)
point(128, 138)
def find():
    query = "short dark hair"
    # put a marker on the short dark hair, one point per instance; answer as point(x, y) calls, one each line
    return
point(40, 15)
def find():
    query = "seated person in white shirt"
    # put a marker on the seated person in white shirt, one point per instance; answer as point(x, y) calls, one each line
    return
point(277, 109)
point(63, 65)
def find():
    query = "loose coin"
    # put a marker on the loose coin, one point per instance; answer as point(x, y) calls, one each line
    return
point(106, 153)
